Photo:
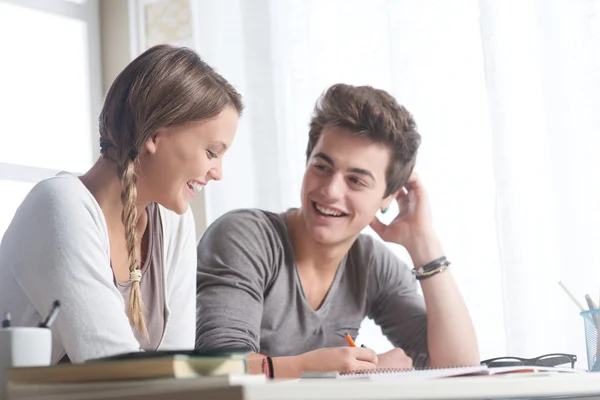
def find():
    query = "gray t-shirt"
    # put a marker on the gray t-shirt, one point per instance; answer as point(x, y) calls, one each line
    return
point(152, 284)
point(249, 293)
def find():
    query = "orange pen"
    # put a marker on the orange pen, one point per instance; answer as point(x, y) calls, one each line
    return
point(349, 340)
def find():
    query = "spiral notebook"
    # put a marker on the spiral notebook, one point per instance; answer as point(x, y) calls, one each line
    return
point(431, 373)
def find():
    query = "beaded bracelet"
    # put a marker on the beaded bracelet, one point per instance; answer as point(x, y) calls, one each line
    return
point(265, 367)
point(433, 268)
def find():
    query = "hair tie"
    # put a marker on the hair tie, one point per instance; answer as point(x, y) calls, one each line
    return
point(135, 275)
point(105, 144)
point(133, 154)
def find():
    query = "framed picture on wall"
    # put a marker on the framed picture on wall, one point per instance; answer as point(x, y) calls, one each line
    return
point(161, 21)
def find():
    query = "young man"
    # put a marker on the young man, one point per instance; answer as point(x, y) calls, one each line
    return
point(291, 285)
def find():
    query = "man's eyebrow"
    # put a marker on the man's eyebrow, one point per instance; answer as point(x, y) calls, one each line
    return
point(362, 171)
point(325, 158)
point(355, 170)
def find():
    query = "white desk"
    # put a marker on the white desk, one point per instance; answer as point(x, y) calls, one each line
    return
point(571, 386)
point(580, 386)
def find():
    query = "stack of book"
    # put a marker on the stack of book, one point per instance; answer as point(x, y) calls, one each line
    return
point(133, 376)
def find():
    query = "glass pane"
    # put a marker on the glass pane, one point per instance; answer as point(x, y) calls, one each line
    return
point(555, 361)
point(13, 194)
point(45, 97)
point(505, 362)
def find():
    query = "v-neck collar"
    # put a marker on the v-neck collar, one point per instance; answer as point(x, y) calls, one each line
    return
point(334, 284)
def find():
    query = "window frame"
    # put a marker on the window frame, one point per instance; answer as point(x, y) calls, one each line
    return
point(87, 11)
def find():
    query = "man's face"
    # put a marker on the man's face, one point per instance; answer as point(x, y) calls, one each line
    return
point(343, 186)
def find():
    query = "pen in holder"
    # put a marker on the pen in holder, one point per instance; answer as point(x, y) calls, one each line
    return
point(25, 346)
point(591, 321)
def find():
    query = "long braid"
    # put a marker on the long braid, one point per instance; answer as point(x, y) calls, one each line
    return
point(163, 87)
point(135, 308)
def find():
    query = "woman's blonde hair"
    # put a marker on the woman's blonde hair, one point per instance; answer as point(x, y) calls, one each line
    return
point(165, 86)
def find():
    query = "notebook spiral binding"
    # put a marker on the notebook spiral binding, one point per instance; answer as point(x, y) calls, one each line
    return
point(378, 371)
point(374, 371)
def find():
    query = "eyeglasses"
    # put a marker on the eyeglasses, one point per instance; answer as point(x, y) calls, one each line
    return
point(547, 360)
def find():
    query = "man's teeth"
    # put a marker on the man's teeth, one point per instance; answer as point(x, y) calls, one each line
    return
point(328, 211)
point(194, 186)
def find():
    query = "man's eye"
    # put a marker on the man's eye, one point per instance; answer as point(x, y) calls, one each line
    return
point(357, 181)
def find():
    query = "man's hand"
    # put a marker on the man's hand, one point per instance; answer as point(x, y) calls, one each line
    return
point(412, 227)
point(338, 359)
point(395, 358)
point(414, 216)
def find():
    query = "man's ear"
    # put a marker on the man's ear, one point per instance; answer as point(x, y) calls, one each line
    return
point(385, 203)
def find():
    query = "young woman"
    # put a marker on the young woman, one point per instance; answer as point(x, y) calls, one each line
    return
point(116, 245)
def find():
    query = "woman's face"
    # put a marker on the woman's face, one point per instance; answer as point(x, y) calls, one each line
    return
point(178, 161)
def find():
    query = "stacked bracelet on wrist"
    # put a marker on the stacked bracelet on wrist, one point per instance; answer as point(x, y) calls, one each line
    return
point(433, 268)
point(268, 367)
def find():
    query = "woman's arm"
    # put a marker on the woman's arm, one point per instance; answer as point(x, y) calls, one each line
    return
point(57, 249)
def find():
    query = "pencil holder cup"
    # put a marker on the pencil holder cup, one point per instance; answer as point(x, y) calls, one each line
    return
point(591, 322)
point(23, 347)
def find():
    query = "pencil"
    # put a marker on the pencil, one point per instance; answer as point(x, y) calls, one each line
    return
point(573, 298)
point(590, 302)
point(349, 340)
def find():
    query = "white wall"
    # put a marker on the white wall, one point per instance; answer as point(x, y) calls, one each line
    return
point(220, 39)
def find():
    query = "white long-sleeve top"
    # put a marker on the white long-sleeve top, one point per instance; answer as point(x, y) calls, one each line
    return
point(57, 248)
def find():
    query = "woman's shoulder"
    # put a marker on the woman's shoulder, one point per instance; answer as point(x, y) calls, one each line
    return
point(63, 189)
point(58, 217)
point(62, 198)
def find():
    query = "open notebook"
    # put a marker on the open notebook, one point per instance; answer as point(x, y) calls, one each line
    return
point(433, 373)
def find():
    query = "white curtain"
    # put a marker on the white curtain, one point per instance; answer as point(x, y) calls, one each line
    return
point(507, 98)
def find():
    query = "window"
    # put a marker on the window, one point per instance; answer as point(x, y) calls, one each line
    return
point(49, 93)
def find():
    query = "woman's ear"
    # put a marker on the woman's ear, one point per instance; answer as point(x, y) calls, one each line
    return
point(151, 143)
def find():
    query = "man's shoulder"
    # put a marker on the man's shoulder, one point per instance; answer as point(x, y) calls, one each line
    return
point(373, 254)
point(255, 229)
point(247, 221)
point(251, 240)
point(250, 214)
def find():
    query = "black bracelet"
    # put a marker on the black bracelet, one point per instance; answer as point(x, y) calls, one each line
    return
point(431, 268)
point(271, 372)
point(434, 272)
point(434, 264)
